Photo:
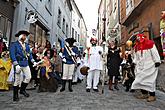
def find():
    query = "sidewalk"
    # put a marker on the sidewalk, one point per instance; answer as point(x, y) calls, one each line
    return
point(161, 78)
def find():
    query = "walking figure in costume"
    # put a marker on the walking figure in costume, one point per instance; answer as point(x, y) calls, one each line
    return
point(147, 61)
point(19, 53)
point(69, 58)
point(94, 62)
point(113, 64)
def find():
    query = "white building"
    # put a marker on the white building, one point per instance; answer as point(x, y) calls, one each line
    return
point(76, 22)
point(79, 30)
point(40, 30)
point(62, 19)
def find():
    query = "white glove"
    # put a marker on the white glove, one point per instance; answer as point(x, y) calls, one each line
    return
point(18, 69)
point(64, 60)
point(60, 54)
point(35, 64)
point(73, 53)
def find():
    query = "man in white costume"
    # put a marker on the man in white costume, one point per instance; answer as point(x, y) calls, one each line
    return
point(94, 62)
point(147, 61)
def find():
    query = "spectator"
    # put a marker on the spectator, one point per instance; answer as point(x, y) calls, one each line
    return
point(5, 66)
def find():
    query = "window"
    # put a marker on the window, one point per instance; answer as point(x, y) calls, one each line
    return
point(48, 6)
point(110, 7)
point(59, 18)
point(79, 23)
point(78, 38)
point(5, 27)
point(8, 30)
point(75, 35)
point(63, 25)
point(2, 24)
point(67, 30)
point(72, 32)
point(114, 5)
point(38, 35)
point(129, 6)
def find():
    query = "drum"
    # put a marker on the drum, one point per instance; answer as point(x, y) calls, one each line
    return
point(84, 70)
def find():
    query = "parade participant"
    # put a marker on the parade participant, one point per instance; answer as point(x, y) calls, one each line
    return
point(94, 62)
point(47, 80)
point(34, 80)
point(147, 61)
point(113, 63)
point(162, 32)
point(5, 66)
point(127, 71)
point(57, 66)
point(19, 53)
point(69, 54)
point(77, 71)
point(3, 46)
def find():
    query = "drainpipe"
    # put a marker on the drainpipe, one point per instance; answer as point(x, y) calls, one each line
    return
point(119, 12)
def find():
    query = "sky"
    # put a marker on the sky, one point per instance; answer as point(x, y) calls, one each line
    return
point(89, 10)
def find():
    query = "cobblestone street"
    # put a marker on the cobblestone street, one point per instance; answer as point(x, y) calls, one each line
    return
point(81, 100)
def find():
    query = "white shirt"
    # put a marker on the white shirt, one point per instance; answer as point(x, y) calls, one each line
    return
point(94, 59)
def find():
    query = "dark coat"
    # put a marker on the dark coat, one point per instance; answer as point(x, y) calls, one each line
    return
point(113, 61)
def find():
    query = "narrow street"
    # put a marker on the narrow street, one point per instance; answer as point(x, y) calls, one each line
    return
point(79, 99)
point(46, 42)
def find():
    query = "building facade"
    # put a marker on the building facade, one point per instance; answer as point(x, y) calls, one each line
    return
point(7, 10)
point(101, 26)
point(79, 29)
point(108, 20)
point(83, 34)
point(76, 22)
point(40, 30)
point(142, 16)
point(55, 21)
point(113, 28)
point(62, 20)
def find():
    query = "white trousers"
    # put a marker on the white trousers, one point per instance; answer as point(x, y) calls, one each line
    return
point(23, 76)
point(68, 70)
point(93, 76)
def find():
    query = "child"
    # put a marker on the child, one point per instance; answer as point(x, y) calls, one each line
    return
point(5, 66)
point(128, 71)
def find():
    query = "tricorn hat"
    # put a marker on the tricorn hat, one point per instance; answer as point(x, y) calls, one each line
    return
point(22, 32)
point(70, 40)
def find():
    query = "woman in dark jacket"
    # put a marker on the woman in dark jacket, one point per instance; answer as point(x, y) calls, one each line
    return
point(113, 64)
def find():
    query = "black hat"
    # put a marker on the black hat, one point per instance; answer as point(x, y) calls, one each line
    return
point(22, 32)
point(70, 40)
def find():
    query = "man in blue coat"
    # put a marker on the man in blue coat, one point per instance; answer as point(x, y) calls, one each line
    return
point(70, 53)
point(19, 54)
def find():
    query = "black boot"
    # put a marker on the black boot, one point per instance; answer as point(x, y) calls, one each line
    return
point(116, 83)
point(110, 85)
point(15, 93)
point(63, 86)
point(70, 86)
point(23, 89)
